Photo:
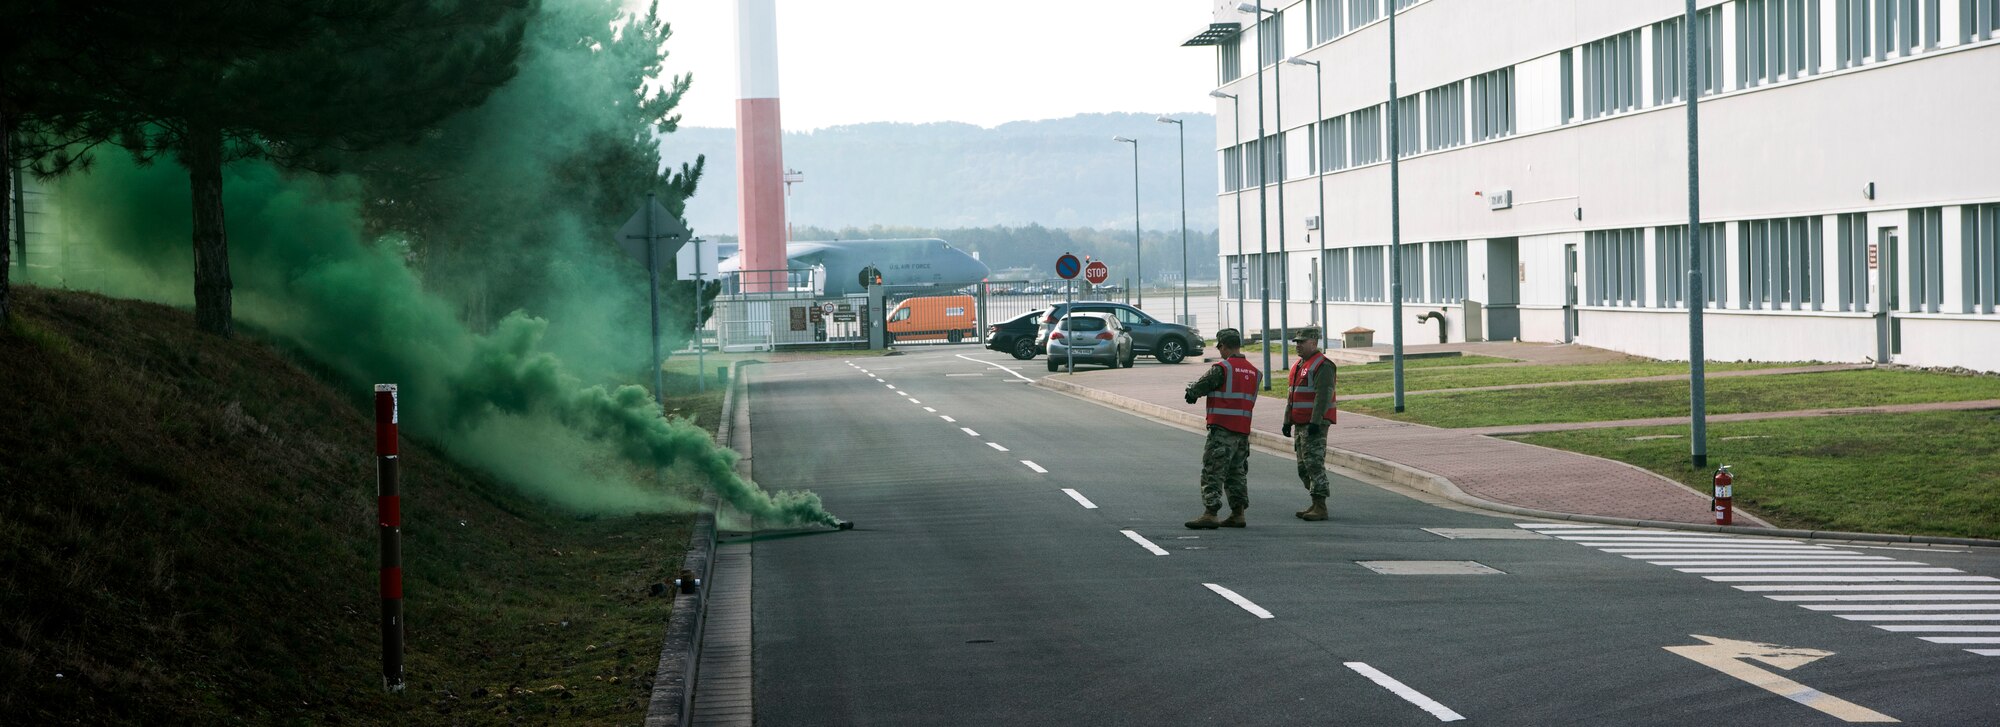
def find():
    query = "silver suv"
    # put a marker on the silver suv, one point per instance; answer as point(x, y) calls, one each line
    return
point(1096, 338)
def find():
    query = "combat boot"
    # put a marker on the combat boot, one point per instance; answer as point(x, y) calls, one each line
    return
point(1235, 520)
point(1207, 521)
point(1315, 513)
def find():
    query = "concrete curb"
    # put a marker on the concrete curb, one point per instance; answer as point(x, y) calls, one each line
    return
point(1413, 478)
point(680, 654)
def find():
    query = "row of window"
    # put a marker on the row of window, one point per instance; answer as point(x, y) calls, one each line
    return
point(1360, 274)
point(1775, 41)
point(1781, 264)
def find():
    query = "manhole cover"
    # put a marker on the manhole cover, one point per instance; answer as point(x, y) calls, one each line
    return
point(1486, 533)
point(1428, 568)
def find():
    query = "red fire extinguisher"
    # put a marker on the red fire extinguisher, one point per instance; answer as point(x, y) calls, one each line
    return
point(1724, 501)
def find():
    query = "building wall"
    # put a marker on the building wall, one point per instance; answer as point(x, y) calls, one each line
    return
point(1876, 140)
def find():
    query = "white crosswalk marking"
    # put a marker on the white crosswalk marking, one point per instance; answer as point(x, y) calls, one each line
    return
point(1901, 596)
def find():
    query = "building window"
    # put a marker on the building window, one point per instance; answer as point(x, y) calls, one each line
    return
point(1369, 274)
point(1252, 268)
point(1614, 267)
point(1493, 104)
point(1670, 265)
point(1670, 56)
point(1271, 38)
point(1367, 130)
point(1413, 273)
point(1776, 40)
point(1903, 26)
point(1336, 271)
point(1611, 75)
point(1409, 134)
point(1852, 256)
point(1363, 12)
point(1273, 148)
point(1981, 246)
point(1780, 262)
point(1333, 144)
point(1978, 20)
point(1232, 168)
point(1926, 260)
point(1233, 283)
point(1229, 60)
point(1444, 115)
point(1853, 40)
point(1449, 274)
point(1568, 86)
point(1326, 20)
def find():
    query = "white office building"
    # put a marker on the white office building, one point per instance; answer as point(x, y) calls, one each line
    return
point(1850, 173)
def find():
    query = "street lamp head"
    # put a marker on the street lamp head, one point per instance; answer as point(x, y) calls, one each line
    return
point(1124, 140)
point(1165, 120)
point(1253, 8)
point(1219, 94)
point(1297, 61)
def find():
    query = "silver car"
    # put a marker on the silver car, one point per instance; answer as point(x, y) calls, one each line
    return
point(1095, 338)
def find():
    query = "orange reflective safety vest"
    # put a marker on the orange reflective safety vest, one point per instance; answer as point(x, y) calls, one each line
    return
point(1301, 410)
point(1229, 407)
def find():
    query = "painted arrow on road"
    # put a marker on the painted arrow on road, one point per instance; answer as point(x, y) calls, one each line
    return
point(1732, 657)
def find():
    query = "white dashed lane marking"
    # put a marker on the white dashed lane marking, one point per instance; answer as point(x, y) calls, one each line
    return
point(968, 431)
point(1239, 600)
point(1443, 713)
point(996, 445)
point(1913, 598)
point(1037, 468)
point(1144, 543)
point(1080, 499)
point(946, 418)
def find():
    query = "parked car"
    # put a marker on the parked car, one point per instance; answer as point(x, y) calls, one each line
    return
point(1170, 343)
point(1016, 335)
point(951, 318)
point(1096, 338)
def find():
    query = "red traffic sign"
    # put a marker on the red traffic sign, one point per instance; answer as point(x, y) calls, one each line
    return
point(1096, 272)
point(1067, 266)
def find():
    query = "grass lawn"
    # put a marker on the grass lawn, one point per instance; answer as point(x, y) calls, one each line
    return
point(1932, 473)
point(1609, 402)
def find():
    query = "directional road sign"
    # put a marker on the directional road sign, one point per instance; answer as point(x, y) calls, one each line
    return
point(1067, 266)
point(667, 234)
point(1096, 272)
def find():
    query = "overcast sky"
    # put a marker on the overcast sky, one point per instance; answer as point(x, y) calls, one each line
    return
point(984, 62)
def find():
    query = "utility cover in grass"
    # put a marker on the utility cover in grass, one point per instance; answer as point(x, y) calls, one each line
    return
point(1429, 568)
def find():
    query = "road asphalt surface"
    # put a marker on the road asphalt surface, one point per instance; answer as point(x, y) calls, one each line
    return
point(1019, 559)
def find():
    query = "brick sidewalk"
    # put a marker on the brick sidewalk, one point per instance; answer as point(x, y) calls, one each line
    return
point(1497, 470)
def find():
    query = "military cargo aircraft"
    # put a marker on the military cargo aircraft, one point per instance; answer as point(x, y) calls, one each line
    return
point(838, 264)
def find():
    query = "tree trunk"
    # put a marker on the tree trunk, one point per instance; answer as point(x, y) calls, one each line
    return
point(7, 230)
point(211, 242)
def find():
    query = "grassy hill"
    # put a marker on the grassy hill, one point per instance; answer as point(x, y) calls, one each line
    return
point(187, 535)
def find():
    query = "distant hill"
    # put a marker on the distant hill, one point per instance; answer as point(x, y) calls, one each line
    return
point(1060, 173)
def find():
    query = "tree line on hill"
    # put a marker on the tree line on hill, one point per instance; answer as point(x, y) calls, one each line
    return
point(1030, 251)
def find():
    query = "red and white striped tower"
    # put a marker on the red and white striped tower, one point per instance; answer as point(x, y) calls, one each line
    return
point(760, 176)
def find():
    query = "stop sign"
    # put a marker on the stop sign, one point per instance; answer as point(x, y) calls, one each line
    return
point(1096, 272)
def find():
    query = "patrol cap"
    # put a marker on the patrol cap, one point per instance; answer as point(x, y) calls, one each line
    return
point(1228, 337)
point(1306, 334)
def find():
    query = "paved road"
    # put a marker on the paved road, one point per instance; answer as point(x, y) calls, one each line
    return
point(979, 589)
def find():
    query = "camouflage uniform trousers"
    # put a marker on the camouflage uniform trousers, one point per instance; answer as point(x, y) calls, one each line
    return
point(1311, 452)
point(1225, 468)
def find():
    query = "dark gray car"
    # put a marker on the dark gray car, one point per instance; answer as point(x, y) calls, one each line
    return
point(1168, 342)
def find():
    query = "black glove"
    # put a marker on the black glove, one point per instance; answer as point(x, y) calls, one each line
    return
point(1287, 429)
point(1191, 398)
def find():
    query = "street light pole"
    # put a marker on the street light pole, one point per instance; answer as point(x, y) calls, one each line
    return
point(1319, 132)
point(1182, 128)
point(1697, 292)
point(1236, 134)
point(1263, 196)
point(1395, 219)
point(1138, 247)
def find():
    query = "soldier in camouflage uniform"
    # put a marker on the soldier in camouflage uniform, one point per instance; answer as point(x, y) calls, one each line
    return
point(1231, 388)
point(1309, 413)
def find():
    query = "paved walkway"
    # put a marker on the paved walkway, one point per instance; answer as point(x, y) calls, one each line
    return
point(1492, 469)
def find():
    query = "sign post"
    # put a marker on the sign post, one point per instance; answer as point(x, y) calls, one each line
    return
point(1067, 266)
point(651, 234)
point(389, 515)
